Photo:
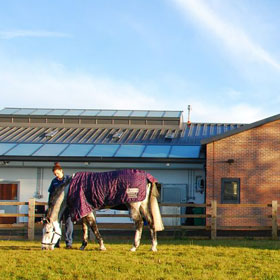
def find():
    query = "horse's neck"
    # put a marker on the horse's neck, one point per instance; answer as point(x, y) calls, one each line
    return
point(59, 205)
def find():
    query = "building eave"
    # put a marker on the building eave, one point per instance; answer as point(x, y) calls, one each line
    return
point(100, 159)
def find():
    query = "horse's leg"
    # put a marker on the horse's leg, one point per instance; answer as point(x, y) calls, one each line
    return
point(145, 210)
point(92, 223)
point(138, 221)
point(85, 234)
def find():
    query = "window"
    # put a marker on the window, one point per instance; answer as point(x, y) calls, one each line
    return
point(230, 190)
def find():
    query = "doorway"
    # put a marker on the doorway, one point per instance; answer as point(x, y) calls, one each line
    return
point(174, 193)
point(8, 192)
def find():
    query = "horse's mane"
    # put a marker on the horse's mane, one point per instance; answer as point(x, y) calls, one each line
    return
point(54, 197)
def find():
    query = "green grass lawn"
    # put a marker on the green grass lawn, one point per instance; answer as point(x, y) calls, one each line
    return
point(176, 259)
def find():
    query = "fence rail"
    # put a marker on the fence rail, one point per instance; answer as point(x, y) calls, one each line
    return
point(211, 225)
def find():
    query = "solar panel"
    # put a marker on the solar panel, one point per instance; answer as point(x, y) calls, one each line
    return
point(157, 151)
point(41, 112)
point(24, 149)
point(77, 150)
point(8, 111)
point(139, 114)
point(103, 151)
point(90, 113)
point(4, 147)
point(172, 114)
point(74, 112)
point(57, 112)
point(50, 150)
point(24, 112)
point(130, 151)
point(123, 113)
point(155, 114)
point(99, 150)
point(184, 152)
point(106, 113)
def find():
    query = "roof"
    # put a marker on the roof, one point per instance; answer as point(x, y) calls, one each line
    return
point(37, 133)
point(52, 135)
point(241, 129)
point(90, 113)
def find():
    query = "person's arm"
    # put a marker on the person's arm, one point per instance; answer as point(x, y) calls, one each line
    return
point(51, 187)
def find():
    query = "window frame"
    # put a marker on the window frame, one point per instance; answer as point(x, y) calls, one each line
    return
point(225, 180)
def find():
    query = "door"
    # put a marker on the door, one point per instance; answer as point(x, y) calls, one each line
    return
point(173, 193)
point(8, 192)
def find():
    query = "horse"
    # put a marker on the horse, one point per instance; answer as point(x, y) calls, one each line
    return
point(75, 194)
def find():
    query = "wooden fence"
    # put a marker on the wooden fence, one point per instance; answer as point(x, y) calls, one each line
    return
point(212, 225)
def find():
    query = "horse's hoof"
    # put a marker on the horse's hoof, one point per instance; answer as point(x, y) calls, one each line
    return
point(133, 249)
point(154, 249)
point(103, 249)
point(82, 248)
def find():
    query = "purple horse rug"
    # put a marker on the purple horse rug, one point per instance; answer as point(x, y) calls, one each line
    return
point(90, 190)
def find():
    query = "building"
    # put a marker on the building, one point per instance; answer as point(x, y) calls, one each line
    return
point(243, 168)
point(160, 142)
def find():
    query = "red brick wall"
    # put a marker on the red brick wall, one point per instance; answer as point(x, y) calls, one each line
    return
point(256, 154)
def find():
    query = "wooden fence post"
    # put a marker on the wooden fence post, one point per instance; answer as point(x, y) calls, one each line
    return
point(274, 220)
point(214, 219)
point(31, 218)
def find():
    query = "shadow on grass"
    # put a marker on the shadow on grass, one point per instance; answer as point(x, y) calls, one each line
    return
point(146, 240)
point(244, 243)
point(22, 248)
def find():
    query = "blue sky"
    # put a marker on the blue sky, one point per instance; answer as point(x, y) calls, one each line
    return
point(220, 56)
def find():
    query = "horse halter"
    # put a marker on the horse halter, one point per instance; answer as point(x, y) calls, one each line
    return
point(54, 232)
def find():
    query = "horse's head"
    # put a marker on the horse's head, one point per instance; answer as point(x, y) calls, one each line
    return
point(51, 234)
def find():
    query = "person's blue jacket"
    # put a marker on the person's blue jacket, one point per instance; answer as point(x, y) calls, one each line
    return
point(56, 183)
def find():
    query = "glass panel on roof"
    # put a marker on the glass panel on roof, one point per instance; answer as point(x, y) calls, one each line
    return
point(103, 151)
point(24, 149)
point(155, 114)
point(4, 147)
point(107, 113)
point(172, 114)
point(184, 152)
point(57, 112)
point(74, 112)
point(77, 150)
point(50, 150)
point(156, 151)
point(8, 111)
point(91, 113)
point(123, 113)
point(139, 114)
point(24, 112)
point(130, 151)
point(41, 112)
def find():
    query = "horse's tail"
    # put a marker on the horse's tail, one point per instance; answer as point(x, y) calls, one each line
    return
point(158, 224)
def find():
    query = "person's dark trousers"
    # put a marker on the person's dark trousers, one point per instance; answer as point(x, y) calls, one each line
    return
point(68, 231)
